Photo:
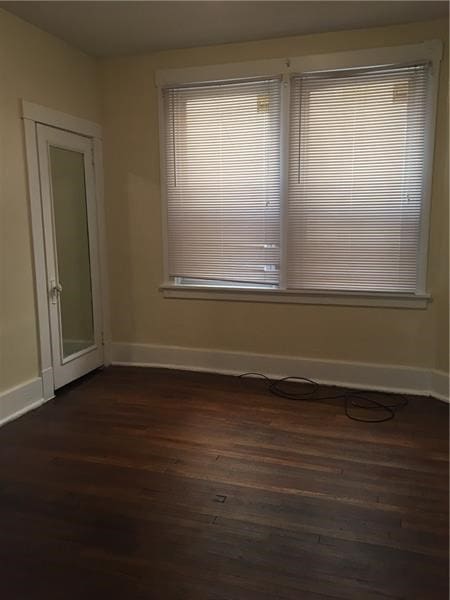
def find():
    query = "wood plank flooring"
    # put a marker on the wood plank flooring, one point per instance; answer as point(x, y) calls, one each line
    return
point(151, 484)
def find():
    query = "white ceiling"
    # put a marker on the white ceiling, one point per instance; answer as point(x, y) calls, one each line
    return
point(115, 28)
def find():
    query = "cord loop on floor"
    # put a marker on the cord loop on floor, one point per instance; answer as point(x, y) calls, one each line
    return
point(353, 400)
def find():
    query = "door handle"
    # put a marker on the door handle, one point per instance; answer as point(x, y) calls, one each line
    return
point(55, 290)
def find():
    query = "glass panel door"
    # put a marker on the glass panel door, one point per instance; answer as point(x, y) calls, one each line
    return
point(71, 246)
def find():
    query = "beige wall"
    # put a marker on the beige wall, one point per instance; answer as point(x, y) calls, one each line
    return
point(39, 68)
point(42, 69)
point(140, 313)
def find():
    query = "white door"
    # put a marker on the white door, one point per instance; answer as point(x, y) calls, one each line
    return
point(71, 249)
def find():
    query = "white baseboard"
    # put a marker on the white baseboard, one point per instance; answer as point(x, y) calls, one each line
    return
point(439, 385)
point(398, 378)
point(20, 399)
point(32, 394)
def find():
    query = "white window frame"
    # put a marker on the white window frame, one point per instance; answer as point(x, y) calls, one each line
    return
point(430, 51)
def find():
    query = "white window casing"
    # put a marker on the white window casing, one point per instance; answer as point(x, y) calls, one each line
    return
point(303, 180)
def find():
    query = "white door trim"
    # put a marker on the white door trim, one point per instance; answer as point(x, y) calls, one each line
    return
point(60, 120)
point(33, 114)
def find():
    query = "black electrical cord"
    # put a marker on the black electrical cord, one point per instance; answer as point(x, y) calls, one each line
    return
point(369, 401)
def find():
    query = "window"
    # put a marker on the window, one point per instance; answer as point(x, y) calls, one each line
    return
point(223, 183)
point(307, 181)
point(356, 179)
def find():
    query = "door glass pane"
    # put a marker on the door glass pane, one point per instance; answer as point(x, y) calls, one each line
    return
point(72, 248)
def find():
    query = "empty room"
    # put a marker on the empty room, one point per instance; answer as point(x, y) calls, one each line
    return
point(224, 300)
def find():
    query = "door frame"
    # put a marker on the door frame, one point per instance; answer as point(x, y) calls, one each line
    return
point(32, 115)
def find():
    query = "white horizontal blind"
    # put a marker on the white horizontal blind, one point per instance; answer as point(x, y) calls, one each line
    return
point(356, 175)
point(222, 144)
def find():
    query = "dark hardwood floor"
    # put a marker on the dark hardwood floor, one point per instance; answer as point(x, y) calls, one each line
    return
point(138, 483)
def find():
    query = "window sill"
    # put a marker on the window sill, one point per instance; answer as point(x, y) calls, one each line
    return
point(382, 299)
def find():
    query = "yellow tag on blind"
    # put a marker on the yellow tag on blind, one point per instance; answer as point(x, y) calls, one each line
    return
point(262, 104)
point(400, 92)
